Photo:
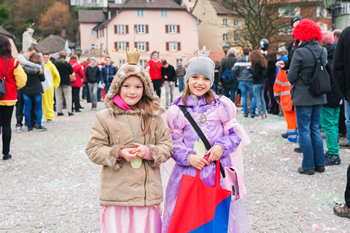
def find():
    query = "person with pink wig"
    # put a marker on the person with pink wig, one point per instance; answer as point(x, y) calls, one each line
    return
point(308, 106)
point(330, 111)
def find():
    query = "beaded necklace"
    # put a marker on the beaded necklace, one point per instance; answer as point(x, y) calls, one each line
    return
point(136, 163)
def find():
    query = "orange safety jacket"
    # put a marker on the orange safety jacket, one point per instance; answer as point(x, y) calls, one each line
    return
point(282, 89)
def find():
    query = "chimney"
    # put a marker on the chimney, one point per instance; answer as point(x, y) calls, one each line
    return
point(63, 32)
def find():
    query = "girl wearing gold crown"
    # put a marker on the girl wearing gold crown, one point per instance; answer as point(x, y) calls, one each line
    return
point(131, 140)
point(215, 117)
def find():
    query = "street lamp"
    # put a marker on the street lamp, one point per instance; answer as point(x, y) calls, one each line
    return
point(78, 50)
point(225, 48)
point(332, 8)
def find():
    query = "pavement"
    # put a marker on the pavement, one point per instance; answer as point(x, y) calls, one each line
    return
point(50, 185)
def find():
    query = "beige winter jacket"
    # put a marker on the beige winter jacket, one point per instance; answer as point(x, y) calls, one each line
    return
point(122, 185)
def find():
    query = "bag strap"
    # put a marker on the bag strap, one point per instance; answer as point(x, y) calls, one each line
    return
point(7, 68)
point(200, 133)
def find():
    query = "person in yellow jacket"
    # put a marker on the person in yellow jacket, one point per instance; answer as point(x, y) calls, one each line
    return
point(49, 93)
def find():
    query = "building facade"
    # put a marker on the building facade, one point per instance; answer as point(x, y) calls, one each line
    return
point(93, 3)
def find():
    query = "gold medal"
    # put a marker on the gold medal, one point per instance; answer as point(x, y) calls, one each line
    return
point(136, 163)
point(203, 118)
point(199, 148)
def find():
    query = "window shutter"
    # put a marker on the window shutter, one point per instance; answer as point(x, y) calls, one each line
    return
point(135, 44)
point(178, 46)
point(147, 46)
point(178, 28)
point(167, 46)
point(135, 28)
point(126, 29)
point(116, 45)
point(127, 44)
point(147, 28)
point(115, 29)
point(166, 28)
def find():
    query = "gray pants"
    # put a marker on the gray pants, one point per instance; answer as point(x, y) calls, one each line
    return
point(67, 91)
point(93, 93)
point(169, 90)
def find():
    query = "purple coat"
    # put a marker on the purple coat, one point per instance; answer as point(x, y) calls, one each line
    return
point(184, 136)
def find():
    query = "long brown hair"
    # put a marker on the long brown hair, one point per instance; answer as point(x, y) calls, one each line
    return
point(149, 112)
point(35, 58)
point(256, 57)
point(209, 96)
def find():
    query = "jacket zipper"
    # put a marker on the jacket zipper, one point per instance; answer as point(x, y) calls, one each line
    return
point(144, 142)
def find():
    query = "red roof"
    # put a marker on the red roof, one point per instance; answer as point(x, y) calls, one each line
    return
point(221, 10)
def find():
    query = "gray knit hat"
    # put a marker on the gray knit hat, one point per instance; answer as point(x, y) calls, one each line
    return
point(201, 64)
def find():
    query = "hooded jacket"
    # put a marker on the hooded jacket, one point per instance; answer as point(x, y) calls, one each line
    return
point(228, 63)
point(341, 63)
point(79, 74)
point(92, 74)
point(302, 65)
point(65, 69)
point(241, 69)
point(56, 79)
point(122, 185)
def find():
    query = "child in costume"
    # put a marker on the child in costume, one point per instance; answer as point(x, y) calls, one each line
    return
point(216, 118)
point(131, 140)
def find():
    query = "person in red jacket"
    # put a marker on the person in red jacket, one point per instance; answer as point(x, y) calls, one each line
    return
point(15, 78)
point(86, 92)
point(155, 71)
point(77, 84)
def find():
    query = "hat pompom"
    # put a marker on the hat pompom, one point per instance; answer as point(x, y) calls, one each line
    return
point(307, 30)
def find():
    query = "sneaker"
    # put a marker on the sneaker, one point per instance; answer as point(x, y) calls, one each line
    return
point(342, 211)
point(258, 117)
point(6, 157)
point(245, 114)
point(332, 159)
point(41, 128)
point(49, 120)
point(60, 114)
point(30, 129)
point(252, 115)
point(297, 150)
point(342, 135)
point(320, 169)
point(70, 114)
point(285, 135)
point(18, 128)
point(264, 116)
point(344, 145)
point(306, 171)
point(36, 126)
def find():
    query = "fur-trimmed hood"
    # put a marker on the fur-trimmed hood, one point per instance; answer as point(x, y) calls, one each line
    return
point(125, 72)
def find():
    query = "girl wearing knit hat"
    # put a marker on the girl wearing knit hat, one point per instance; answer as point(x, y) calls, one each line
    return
point(130, 140)
point(216, 118)
point(308, 106)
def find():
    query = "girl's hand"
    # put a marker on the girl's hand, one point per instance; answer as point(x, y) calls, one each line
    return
point(215, 153)
point(141, 150)
point(197, 162)
point(128, 154)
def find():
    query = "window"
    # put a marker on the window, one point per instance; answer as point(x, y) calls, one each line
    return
point(224, 22)
point(141, 29)
point(235, 22)
point(92, 46)
point(122, 62)
point(94, 1)
point(173, 46)
point(140, 13)
point(323, 26)
point(164, 13)
point(172, 28)
point(235, 36)
point(122, 45)
point(150, 0)
point(203, 10)
point(281, 47)
point(92, 32)
point(141, 46)
point(178, 60)
point(225, 37)
point(321, 12)
point(121, 29)
point(142, 62)
point(288, 12)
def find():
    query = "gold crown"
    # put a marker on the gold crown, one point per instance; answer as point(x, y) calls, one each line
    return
point(133, 55)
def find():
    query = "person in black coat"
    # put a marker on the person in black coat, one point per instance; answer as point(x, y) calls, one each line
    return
point(32, 93)
point(169, 75)
point(341, 74)
point(92, 75)
point(330, 111)
point(271, 78)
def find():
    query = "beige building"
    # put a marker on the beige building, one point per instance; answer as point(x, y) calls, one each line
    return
point(217, 26)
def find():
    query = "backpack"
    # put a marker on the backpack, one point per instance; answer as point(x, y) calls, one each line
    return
point(227, 76)
point(319, 82)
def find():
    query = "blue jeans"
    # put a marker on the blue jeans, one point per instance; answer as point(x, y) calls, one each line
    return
point(28, 108)
point(181, 84)
point(347, 119)
point(107, 86)
point(246, 85)
point(259, 98)
point(230, 93)
point(310, 139)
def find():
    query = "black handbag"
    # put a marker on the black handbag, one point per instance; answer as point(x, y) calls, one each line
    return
point(2, 82)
